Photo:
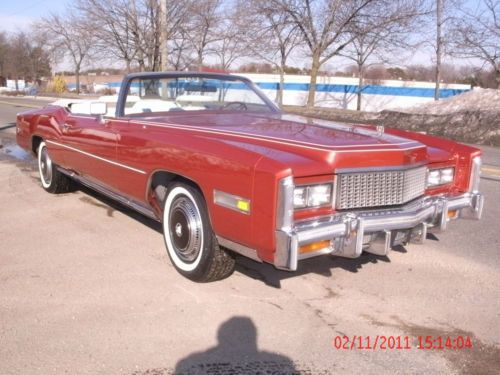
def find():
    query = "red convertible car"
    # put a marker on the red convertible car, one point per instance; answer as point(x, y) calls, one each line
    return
point(225, 171)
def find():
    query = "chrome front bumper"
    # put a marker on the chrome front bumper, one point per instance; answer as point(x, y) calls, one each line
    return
point(374, 231)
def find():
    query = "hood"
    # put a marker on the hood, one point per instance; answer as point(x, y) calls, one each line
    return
point(301, 141)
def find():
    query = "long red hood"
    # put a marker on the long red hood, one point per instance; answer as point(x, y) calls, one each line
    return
point(290, 129)
point(308, 146)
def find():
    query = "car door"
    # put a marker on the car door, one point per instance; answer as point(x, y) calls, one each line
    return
point(90, 142)
point(135, 150)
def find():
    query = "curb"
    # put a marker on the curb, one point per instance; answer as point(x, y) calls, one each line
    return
point(490, 171)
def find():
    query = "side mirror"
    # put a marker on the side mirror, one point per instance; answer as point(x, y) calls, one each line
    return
point(99, 109)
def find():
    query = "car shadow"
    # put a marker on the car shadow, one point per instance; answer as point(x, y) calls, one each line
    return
point(111, 205)
point(323, 265)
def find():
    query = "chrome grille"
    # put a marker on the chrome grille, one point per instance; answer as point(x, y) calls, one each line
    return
point(379, 188)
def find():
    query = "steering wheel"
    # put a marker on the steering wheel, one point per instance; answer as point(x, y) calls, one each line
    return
point(238, 106)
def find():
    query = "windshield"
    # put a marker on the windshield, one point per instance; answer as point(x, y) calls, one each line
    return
point(150, 95)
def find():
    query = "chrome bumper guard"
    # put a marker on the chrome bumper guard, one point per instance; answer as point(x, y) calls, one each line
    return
point(374, 231)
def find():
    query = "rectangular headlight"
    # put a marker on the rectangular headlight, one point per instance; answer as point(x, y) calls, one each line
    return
point(312, 195)
point(319, 195)
point(440, 176)
point(300, 197)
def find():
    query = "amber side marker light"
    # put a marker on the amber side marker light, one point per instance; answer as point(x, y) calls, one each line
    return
point(314, 246)
point(452, 214)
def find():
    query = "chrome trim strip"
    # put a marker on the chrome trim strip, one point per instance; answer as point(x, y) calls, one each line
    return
point(475, 174)
point(111, 194)
point(97, 157)
point(238, 248)
point(284, 209)
point(379, 169)
point(286, 255)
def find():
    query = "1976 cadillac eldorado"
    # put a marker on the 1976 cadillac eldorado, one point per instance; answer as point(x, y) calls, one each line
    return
point(225, 171)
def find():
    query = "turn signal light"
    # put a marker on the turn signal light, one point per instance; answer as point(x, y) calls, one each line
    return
point(314, 246)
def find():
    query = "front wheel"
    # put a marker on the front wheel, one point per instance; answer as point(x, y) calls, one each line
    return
point(190, 241)
point(52, 180)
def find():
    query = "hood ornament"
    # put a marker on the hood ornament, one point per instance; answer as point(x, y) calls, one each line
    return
point(380, 130)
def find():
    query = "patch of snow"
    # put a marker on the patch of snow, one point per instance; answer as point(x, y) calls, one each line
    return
point(471, 101)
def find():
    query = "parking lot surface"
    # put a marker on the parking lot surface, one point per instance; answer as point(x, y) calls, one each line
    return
point(86, 287)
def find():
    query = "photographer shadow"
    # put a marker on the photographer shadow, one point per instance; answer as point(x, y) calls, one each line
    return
point(236, 353)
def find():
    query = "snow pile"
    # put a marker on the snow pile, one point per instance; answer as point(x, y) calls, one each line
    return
point(475, 100)
point(472, 117)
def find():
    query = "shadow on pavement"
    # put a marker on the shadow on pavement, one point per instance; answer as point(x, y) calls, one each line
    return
point(322, 265)
point(236, 353)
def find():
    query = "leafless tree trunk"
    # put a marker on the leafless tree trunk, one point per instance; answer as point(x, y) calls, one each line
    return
point(360, 87)
point(164, 35)
point(439, 46)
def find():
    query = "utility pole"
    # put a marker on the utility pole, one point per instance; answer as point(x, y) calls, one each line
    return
point(163, 35)
point(439, 45)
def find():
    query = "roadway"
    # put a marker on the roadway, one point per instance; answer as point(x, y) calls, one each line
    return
point(86, 287)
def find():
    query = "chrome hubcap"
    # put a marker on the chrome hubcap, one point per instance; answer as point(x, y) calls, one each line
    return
point(185, 229)
point(45, 166)
point(178, 229)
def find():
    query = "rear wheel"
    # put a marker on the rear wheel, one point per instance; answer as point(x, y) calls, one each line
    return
point(190, 241)
point(52, 180)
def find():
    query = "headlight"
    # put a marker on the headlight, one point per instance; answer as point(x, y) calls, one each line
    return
point(441, 176)
point(312, 195)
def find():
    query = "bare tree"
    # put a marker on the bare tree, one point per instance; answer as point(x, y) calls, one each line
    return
point(231, 39)
point(477, 35)
point(23, 57)
point(272, 36)
point(439, 45)
point(323, 25)
point(181, 53)
point(204, 18)
point(72, 35)
point(229, 47)
point(4, 53)
point(434, 32)
point(380, 32)
point(117, 24)
point(135, 31)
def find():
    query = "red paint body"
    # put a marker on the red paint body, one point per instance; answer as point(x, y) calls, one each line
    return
point(244, 154)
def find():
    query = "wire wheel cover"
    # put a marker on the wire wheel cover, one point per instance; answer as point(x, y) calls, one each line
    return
point(185, 228)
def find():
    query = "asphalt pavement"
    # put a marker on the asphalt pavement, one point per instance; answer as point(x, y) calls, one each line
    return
point(86, 287)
